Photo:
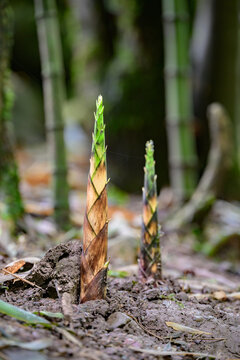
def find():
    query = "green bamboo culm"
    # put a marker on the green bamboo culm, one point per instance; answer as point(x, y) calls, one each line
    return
point(9, 179)
point(54, 96)
point(237, 95)
point(94, 263)
point(182, 154)
point(150, 253)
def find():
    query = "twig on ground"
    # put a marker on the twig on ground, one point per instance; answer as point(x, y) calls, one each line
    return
point(146, 330)
point(57, 290)
point(172, 353)
point(66, 303)
point(208, 339)
point(4, 357)
point(169, 337)
point(68, 336)
point(92, 354)
point(22, 279)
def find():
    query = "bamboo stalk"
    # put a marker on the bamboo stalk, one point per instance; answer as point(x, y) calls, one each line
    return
point(54, 96)
point(9, 179)
point(95, 227)
point(237, 94)
point(182, 157)
point(150, 253)
point(216, 174)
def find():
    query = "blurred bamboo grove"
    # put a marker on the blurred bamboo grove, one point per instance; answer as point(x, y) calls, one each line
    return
point(54, 96)
point(182, 155)
point(9, 181)
point(158, 65)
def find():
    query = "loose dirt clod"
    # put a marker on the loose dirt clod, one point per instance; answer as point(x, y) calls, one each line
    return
point(118, 320)
point(58, 271)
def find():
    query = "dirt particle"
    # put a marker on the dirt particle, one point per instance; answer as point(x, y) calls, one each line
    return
point(117, 320)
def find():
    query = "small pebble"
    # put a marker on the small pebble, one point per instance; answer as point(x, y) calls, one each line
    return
point(117, 320)
point(198, 318)
point(152, 294)
point(182, 296)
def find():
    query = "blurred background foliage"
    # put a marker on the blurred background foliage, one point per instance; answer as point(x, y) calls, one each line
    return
point(116, 48)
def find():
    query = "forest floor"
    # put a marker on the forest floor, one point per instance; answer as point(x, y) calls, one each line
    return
point(194, 312)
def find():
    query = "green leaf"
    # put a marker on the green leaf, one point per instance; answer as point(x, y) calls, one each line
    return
point(50, 314)
point(35, 345)
point(117, 196)
point(117, 274)
point(21, 314)
point(4, 287)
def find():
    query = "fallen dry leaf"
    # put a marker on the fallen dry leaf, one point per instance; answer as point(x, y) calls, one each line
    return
point(200, 296)
point(37, 174)
point(220, 295)
point(15, 267)
point(77, 179)
point(127, 214)
point(197, 284)
point(187, 329)
point(38, 209)
point(77, 219)
point(235, 295)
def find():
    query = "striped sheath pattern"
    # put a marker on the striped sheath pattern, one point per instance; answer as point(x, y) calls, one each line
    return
point(95, 227)
point(150, 253)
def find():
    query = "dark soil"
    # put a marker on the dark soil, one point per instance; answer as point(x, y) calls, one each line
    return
point(59, 271)
point(133, 316)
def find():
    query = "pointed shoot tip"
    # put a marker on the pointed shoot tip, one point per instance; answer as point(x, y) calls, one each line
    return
point(106, 264)
point(149, 146)
point(99, 100)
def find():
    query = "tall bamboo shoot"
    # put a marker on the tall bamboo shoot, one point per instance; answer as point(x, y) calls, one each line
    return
point(150, 254)
point(95, 228)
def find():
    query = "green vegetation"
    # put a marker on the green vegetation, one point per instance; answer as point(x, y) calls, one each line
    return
point(118, 274)
point(21, 314)
point(182, 157)
point(9, 180)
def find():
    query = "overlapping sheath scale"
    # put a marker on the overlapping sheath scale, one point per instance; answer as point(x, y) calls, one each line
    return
point(95, 226)
point(150, 254)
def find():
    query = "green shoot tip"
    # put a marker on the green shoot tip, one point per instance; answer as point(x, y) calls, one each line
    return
point(106, 264)
point(149, 146)
point(99, 101)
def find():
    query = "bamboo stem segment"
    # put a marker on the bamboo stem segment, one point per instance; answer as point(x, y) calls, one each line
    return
point(54, 96)
point(95, 227)
point(9, 179)
point(150, 253)
point(182, 157)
